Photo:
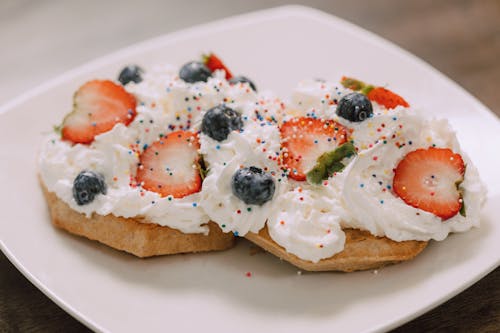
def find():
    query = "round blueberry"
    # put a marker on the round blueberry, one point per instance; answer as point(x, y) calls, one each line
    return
point(253, 186)
point(219, 121)
point(243, 79)
point(130, 73)
point(355, 107)
point(194, 71)
point(87, 185)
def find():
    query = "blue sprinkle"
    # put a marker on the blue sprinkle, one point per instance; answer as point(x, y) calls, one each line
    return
point(315, 141)
point(195, 204)
point(217, 147)
point(189, 109)
point(389, 187)
point(236, 233)
point(145, 146)
point(361, 185)
point(394, 118)
point(382, 202)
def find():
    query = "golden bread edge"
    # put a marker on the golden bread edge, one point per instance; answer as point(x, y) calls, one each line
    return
point(132, 235)
point(362, 251)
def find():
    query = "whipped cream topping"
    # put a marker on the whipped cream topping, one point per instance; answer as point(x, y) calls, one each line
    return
point(307, 220)
point(305, 223)
point(258, 145)
point(365, 191)
point(165, 104)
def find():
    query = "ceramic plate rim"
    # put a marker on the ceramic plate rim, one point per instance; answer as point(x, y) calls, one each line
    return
point(282, 11)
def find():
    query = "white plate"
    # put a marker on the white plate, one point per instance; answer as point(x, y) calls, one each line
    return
point(111, 291)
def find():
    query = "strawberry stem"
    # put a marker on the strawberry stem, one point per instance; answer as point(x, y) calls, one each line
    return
point(351, 83)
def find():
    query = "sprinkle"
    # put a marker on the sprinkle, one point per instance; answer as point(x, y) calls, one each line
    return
point(195, 204)
point(248, 274)
point(238, 211)
point(282, 222)
point(361, 185)
point(236, 233)
point(382, 202)
point(249, 209)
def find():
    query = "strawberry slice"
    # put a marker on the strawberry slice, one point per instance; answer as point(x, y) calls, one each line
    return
point(386, 98)
point(428, 179)
point(305, 139)
point(214, 63)
point(169, 166)
point(97, 107)
point(380, 95)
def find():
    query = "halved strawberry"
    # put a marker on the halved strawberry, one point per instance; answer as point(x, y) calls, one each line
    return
point(386, 98)
point(213, 63)
point(380, 95)
point(305, 139)
point(428, 179)
point(97, 107)
point(169, 166)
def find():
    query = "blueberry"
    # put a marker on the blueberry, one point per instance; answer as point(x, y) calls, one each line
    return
point(86, 186)
point(219, 121)
point(243, 79)
point(130, 73)
point(253, 186)
point(194, 71)
point(355, 107)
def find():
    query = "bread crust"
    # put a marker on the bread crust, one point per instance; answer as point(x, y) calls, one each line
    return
point(132, 235)
point(362, 251)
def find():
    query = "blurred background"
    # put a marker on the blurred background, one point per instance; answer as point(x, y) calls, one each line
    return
point(43, 39)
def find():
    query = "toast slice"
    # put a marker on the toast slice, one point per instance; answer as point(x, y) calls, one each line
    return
point(362, 251)
point(135, 236)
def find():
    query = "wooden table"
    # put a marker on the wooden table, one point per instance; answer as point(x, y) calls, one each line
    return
point(460, 38)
